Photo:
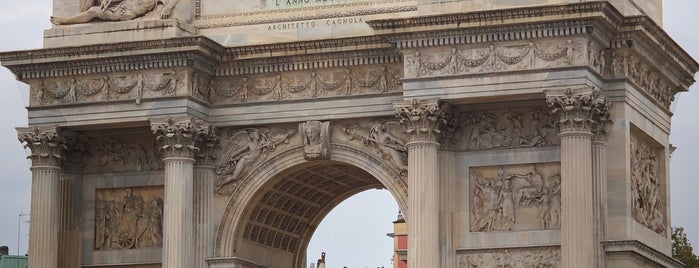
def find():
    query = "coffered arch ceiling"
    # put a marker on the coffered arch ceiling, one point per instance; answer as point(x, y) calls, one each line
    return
point(286, 212)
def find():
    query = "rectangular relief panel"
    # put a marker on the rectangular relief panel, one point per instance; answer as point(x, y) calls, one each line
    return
point(544, 257)
point(129, 218)
point(648, 186)
point(515, 197)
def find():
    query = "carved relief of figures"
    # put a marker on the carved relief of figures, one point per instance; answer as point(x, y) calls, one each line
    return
point(647, 191)
point(511, 258)
point(113, 87)
point(129, 218)
point(247, 148)
point(626, 64)
point(117, 10)
point(505, 129)
point(316, 140)
point(307, 85)
point(386, 138)
point(114, 154)
point(495, 58)
point(518, 197)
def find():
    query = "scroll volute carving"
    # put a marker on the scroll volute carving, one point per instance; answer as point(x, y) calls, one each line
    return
point(46, 145)
point(422, 119)
point(178, 137)
point(316, 140)
point(578, 110)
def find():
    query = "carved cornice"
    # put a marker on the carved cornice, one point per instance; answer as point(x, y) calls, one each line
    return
point(46, 145)
point(580, 110)
point(422, 119)
point(180, 137)
point(634, 248)
point(195, 52)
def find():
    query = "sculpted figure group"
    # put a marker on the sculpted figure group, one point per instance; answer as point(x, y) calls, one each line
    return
point(497, 200)
point(116, 10)
point(647, 197)
point(132, 221)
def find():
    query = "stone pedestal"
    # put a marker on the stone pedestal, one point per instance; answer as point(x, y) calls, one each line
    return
point(178, 138)
point(46, 146)
point(422, 120)
point(580, 111)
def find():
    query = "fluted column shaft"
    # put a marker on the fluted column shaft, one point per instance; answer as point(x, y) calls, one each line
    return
point(423, 120)
point(43, 230)
point(582, 111)
point(47, 145)
point(179, 139)
point(69, 234)
point(178, 211)
point(203, 226)
point(599, 175)
point(577, 228)
point(447, 172)
point(423, 198)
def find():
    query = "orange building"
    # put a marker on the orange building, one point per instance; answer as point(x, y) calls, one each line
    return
point(400, 243)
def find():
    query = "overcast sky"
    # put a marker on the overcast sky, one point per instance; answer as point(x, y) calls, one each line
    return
point(354, 233)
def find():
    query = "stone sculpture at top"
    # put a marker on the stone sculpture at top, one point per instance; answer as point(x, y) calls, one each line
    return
point(117, 10)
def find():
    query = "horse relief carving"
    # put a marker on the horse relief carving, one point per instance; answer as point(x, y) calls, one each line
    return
point(117, 10)
point(129, 218)
point(520, 197)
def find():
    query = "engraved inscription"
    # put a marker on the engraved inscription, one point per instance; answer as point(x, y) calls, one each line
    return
point(129, 218)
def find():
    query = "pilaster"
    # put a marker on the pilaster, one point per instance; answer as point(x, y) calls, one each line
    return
point(579, 112)
point(46, 145)
point(599, 179)
point(178, 139)
point(203, 199)
point(422, 120)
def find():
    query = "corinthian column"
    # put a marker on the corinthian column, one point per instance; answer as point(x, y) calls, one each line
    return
point(599, 177)
point(578, 110)
point(203, 199)
point(46, 146)
point(178, 140)
point(422, 120)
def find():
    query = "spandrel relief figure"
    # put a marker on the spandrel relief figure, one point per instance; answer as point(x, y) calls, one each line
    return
point(316, 140)
point(501, 197)
point(117, 10)
point(381, 136)
point(128, 218)
point(247, 148)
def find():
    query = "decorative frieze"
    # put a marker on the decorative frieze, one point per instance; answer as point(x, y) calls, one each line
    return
point(540, 257)
point(625, 63)
point(515, 197)
point(128, 218)
point(179, 137)
point(647, 185)
point(387, 138)
point(579, 110)
point(107, 154)
point(316, 140)
point(123, 86)
point(422, 120)
point(46, 145)
point(498, 57)
point(307, 85)
point(244, 150)
point(501, 129)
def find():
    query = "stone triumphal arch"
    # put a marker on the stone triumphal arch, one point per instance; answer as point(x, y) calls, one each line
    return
point(212, 133)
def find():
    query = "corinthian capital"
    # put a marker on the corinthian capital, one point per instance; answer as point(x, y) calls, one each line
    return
point(422, 119)
point(207, 143)
point(46, 144)
point(179, 137)
point(579, 110)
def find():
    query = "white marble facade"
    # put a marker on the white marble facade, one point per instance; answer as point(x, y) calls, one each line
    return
point(211, 133)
